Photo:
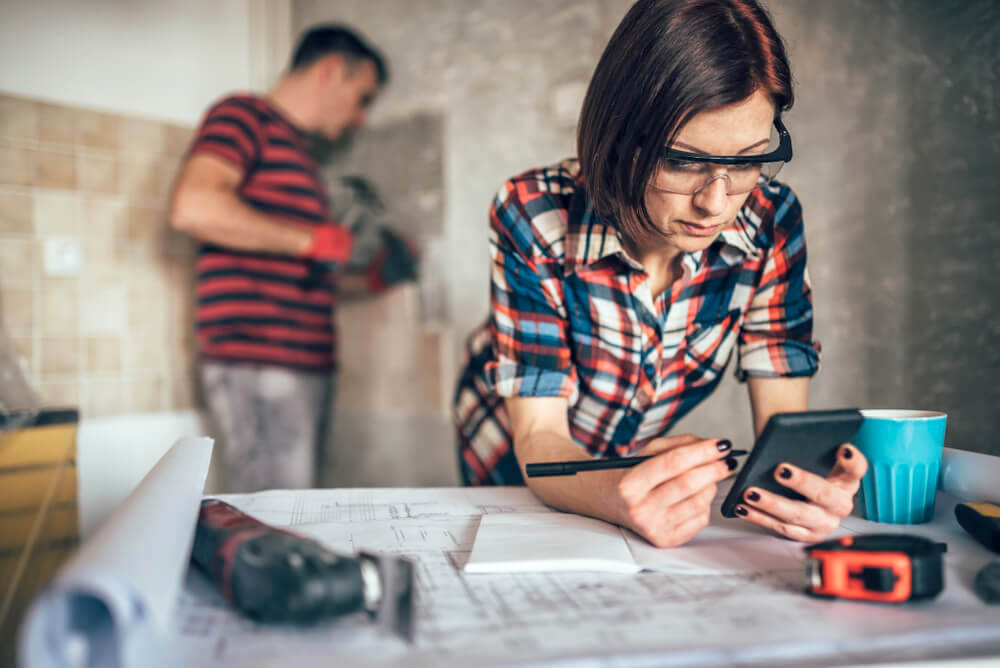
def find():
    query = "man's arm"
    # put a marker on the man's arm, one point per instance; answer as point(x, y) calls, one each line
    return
point(205, 205)
point(770, 395)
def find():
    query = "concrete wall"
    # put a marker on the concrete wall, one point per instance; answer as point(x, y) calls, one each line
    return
point(897, 153)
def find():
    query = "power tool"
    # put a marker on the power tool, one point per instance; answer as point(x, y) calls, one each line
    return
point(272, 574)
point(887, 568)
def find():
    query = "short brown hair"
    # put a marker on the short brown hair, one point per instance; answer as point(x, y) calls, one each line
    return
point(667, 61)
point(323, 40)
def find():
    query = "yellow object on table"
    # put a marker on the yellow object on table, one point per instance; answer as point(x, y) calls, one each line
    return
point(39, 526)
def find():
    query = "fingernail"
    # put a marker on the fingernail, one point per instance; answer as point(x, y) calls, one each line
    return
point(723, 445)
point(753, 496)
point(741, 511)
point(732, 463)
point(847, 453)
point(785, 472)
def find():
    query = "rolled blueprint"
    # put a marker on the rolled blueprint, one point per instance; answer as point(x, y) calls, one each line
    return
point(111, 604)
point(970, 476)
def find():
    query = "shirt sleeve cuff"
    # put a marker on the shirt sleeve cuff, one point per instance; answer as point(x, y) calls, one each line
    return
point(778, 359)
point(510, 379)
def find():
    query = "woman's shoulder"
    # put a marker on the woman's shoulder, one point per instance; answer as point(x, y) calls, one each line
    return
point(534, 207)
point(771, 212)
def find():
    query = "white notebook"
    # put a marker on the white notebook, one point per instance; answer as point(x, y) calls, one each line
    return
point(553, 541)
point(548, 541)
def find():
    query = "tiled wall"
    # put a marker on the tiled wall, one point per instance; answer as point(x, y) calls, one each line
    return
point(116, 337)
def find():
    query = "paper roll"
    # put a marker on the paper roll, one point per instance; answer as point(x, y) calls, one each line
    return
point(111, 603)
point(970, 476)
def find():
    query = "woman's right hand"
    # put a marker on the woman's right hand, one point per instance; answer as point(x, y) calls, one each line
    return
point(668, 499)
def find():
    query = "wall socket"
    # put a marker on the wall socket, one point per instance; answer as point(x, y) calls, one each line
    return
point(63, 256)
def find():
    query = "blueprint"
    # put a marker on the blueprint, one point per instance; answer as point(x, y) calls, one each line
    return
point(731, 597)
point(747, 609)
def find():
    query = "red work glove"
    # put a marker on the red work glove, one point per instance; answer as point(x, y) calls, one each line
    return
point(330, 249)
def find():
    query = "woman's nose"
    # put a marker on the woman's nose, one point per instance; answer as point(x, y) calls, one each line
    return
point(712, 198)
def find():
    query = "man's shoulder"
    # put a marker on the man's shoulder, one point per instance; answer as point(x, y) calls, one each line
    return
point(246, 108)
point(535, 206)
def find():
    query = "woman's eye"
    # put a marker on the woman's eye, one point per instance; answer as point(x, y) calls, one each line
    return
point(747, 167)
point(682, 165)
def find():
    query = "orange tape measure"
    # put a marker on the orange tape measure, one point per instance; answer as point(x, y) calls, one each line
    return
point(885, 568)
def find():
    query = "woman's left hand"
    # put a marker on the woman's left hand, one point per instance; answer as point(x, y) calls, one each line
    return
point(829, 499)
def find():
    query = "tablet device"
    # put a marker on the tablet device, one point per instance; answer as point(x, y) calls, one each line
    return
point(808, 440)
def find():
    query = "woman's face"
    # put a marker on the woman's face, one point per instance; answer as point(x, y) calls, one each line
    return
point(692, 222)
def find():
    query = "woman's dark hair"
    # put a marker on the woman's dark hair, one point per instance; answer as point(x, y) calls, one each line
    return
point(667, 61)
point(321, 41)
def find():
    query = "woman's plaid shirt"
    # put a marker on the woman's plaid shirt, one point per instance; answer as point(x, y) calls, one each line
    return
point(572, 315)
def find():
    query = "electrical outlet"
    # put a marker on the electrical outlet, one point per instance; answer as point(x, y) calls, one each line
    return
point(63, 256)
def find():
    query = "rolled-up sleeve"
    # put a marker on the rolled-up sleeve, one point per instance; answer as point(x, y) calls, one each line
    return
point(528, 322)
point(776, 337)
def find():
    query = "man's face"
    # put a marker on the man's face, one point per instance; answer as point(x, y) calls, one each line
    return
point(346, 91)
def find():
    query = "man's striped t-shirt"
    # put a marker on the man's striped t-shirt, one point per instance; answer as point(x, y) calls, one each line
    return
point(261, 307)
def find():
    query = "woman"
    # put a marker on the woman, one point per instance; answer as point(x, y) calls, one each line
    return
point(622, 282)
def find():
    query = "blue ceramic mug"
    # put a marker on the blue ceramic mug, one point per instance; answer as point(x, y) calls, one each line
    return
point(903, 448)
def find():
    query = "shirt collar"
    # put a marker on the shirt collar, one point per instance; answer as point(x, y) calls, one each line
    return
point(591, 238)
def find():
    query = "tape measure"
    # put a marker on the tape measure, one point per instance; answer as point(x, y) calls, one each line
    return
point(886, 568)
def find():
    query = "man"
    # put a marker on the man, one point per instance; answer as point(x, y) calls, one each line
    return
point(269, 265)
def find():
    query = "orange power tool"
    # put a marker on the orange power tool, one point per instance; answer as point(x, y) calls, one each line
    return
point(885, 568)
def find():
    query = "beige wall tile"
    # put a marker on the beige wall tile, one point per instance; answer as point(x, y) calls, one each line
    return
point(54, 168)
point(143, 180)
point(139, 135)
point(60, 357)
point(16, 213)
point(18, 309)
point(104, 397)
point(103, 216)
point(102, 306)
point(55, 214)
point(97, 174)
point(18, 118)
point(65, 393)
point(19, 259)
point(178, 139)
point(147, 354)
point(103, 355)
point(148, 394)
point(103, 259)
point(146, 223)
point(55, 123)
point(59, 308)
point(17, 165)
point(24, 348)
point(95, 129)
point(181, 393)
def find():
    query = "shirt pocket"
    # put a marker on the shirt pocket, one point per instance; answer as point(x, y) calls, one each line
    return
point(708, 347)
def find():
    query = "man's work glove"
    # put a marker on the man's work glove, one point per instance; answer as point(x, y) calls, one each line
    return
point(396, 262)
point(330, 249)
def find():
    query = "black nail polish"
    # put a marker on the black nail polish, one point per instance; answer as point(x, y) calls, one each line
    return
point(785, 472)
point(723, 445)
point(731, 463)
point(847, 453)
point(753, 496)
point(740, 510)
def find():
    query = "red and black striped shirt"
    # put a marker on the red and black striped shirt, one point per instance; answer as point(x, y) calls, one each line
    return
point(254, 306)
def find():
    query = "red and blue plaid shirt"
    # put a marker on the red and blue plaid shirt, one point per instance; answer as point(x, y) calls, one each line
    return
point(572, 315)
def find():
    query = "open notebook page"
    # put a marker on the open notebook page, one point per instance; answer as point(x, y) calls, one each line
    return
point(548, 541)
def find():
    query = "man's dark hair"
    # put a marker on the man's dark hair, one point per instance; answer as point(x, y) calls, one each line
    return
point(324, 40)
point(667, 61)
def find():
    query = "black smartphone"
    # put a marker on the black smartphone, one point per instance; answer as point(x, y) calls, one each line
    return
point(808, 440)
